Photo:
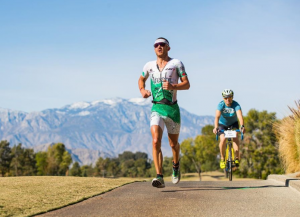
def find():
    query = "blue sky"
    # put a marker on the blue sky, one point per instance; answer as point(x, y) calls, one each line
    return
point(54, 53)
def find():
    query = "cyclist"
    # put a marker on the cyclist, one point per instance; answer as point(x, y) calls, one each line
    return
point(227, 115)
point(164, 73)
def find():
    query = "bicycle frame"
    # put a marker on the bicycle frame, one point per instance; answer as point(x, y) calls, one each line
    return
point(229, 155)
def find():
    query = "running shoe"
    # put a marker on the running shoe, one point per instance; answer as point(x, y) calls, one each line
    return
point(158, 182)
point(176, 175)
point(222, 164)
point(237, 162)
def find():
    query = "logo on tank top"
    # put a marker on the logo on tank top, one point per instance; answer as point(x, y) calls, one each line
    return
point(159, 80)
point(228, 111)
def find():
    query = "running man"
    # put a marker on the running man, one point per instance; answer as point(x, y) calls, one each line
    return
point(164, 73)
point(227, 115)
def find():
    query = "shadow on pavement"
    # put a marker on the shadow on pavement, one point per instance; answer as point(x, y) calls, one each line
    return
point(211, 188)
point(287, 182)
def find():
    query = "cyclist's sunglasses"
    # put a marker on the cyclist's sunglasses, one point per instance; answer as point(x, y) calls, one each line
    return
point(160, 43)
point(230, 97)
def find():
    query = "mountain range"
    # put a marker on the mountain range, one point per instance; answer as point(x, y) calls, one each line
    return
point(89, 130)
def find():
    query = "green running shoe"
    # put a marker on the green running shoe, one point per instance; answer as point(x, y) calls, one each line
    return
point(176, 175)
point(222, 164)
point(158, 182)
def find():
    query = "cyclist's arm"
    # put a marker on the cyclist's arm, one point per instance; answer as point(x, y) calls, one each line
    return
point(217, 118)
point(240, 117)
point(141, 83)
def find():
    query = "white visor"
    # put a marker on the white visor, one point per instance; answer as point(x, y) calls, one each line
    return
point(161, 41)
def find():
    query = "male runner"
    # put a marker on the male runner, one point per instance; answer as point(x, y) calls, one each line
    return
point(227, 115)
point(164, 73)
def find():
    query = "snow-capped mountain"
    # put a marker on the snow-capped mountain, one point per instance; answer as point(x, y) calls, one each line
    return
point(92, 129)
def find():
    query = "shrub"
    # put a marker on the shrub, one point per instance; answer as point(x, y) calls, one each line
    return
point(288, 134)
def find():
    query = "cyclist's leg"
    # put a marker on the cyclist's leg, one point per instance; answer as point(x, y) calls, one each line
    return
point(222, 144)
point(157, 126)
point(236, 147)
point(236, 143)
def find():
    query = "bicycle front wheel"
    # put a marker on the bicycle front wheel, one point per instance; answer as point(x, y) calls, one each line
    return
point(229, 162)
point(230, 171)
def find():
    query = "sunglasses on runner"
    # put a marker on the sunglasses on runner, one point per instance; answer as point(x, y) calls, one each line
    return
point(228, 97)
point(160, 43)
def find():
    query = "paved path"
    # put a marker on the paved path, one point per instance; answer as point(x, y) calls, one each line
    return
point(216, 198)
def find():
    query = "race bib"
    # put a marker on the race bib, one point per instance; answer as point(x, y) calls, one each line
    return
point(230, 134)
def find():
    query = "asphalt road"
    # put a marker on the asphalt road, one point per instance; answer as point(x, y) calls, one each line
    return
point(208, 198)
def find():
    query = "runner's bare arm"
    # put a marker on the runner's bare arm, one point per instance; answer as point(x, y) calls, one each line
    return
point(141, 83)
point(184, 85)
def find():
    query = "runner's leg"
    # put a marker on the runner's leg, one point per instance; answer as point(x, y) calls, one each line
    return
point(157, 133)
point(173, 140)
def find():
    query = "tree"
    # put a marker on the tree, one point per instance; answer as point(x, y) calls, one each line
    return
point(65, 163)
point(75, 170)
point(167, 166)
point(140, 155)
point(28, 162)
point(126, 155)
point(87, 171)
point(207, 149)
point(101, 166)
point(141, 166)
point(113, 167)
point(128, 168)
point(259, 150)
point(5, 157)
point(188, 158)
point(201, 152)
point(41, 163)
point(58, 159)
point(16, 161)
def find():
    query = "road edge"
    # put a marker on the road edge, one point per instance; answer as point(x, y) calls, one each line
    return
point(289, 180)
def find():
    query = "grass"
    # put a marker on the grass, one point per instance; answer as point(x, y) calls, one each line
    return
point(288, 134)
point(29, 195)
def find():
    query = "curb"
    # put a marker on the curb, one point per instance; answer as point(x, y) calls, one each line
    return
point(290, 180)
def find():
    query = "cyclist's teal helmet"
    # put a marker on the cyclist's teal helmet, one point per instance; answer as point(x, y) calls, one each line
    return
point(227, 93)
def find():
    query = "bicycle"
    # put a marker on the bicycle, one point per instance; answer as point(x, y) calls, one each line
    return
point(229, 155)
